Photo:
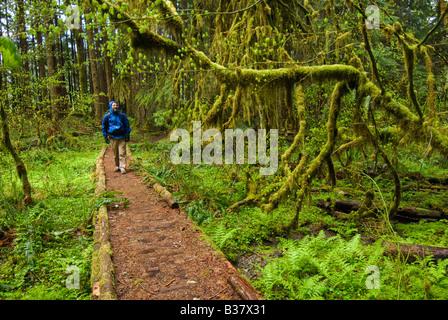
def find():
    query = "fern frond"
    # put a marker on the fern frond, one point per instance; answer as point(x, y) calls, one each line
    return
point(312, 288)
point(222, 235)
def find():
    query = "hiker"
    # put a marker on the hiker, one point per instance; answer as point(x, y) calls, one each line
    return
point(116, 126)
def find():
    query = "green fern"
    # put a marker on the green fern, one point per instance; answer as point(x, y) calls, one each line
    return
point(318, 268)
point(222, 235)
point(312, 288)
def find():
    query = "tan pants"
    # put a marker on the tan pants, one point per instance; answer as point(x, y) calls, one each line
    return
point(119, 150)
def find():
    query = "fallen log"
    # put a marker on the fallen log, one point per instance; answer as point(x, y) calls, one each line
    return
point(434, 188)
point(421, 178)
point(346, 206)
point(403, 213)
point(412, 250)
point(442, 181)
point(165, 194)
point(243, 288)
point(240, 285)
point(161, 191)
point(406, 213)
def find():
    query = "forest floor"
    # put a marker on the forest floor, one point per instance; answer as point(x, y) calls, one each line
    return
point(158, 253)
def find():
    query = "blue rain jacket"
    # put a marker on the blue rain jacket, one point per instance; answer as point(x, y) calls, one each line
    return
point(115, 124)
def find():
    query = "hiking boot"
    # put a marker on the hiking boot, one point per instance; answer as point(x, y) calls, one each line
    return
point(117, 169)
point(123, 171)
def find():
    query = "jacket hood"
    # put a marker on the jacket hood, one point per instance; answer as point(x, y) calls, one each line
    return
point(110, 106)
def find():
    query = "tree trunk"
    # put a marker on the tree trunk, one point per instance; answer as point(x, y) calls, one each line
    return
point(243, 288)
point(107, 67)
point(24, 52)
point(101, 67)
point(20, 166)
point(61, 88)
point(41, 63)
point(94, 71)
point(165, 194)
point(80, 59)
point(51, 67)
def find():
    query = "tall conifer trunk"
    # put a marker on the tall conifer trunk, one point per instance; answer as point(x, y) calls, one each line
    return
point(94, 70)
point(51, 68)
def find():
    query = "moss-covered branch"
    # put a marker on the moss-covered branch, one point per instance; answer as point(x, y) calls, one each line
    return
point(217, 107)
point(409, 61)
point(430, 32)
point(299, 140)
point(339, 91)
point(368, 47)
point(141, 35)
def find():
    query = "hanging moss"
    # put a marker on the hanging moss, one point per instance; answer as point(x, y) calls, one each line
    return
point(431, 88)
point(236, 107)
point(168, 10)
point(217, 107)
point(299, 139)
point(339, 40)
point(409, 60)
point(290, 184)
point(339, 91)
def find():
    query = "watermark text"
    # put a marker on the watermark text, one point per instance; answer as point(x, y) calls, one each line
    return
point(234, 147)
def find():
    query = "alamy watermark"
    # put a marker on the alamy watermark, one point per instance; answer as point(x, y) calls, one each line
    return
point(373, 280)
point(373, 17)
point(72, 281)
point(73, 20)
point(212, 152)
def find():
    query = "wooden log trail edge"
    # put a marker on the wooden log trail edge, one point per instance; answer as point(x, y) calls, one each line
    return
point(102, 277)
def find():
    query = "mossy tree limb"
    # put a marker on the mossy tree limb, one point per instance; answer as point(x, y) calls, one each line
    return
point(141, 37)
point(299, 141)
point(368, 47)
point(339, 91)
point(217, 107)
point(434, 28)
point(409, 59)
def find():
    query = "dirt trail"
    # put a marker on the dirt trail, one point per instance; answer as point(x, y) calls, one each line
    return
point(157, 252)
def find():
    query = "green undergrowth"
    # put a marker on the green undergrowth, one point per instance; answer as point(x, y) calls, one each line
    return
point(328, 256)
point(50, 241)
point(321, 267)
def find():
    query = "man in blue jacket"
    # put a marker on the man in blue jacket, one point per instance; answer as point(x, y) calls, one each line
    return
point(116, 126)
